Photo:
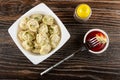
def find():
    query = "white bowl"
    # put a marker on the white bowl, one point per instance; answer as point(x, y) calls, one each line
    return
point(107, 44)
point(43, 9)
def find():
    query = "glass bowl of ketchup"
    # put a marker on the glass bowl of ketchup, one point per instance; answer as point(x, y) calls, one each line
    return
point(101, 36)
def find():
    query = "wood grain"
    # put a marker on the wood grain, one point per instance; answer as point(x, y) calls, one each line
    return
point(84, 66)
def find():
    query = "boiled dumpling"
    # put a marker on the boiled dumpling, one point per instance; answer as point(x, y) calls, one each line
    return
point(54, 29)
point(48, 20)
point(43, 28)
point(37, 17)
point(23, 22)
point(28, 35)
point(33, 25)
point(27, 45)
point(54, 40)
point(45, 49)
point(36, 50)
point(42, 39)
point(36, 45)
point(20, 35)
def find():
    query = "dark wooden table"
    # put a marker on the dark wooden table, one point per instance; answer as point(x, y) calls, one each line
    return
point(84, 66)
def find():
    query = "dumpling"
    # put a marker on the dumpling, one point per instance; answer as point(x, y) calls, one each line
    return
point(54, 40)
point(43, 28)
point(42, 39)
point(54, 29)
point(28, 45)
point(45, 49)
point(28, 35)
point(20, 35)
point(33, 25)
point(49, 20)
point(36, 45)
point(23, 22)
point(37, 17)
point(36, 50)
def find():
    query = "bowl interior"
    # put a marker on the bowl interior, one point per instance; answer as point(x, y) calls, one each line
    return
point(43, 13)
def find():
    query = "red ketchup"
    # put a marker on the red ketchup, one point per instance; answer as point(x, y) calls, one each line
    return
point(100, 37)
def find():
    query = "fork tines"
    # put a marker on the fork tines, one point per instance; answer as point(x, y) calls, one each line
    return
point(93, 42)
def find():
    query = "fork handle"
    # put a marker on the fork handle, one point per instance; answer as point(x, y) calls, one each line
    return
point(68, 57)
point(50, 68)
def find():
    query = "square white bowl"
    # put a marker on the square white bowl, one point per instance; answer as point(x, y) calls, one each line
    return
point(43, 9)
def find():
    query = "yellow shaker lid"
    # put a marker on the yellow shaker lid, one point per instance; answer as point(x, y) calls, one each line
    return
point(83, 11)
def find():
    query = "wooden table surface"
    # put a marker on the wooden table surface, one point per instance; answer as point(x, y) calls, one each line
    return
point(84, 66)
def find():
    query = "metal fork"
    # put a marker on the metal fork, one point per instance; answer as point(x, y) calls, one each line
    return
point(91, 43)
